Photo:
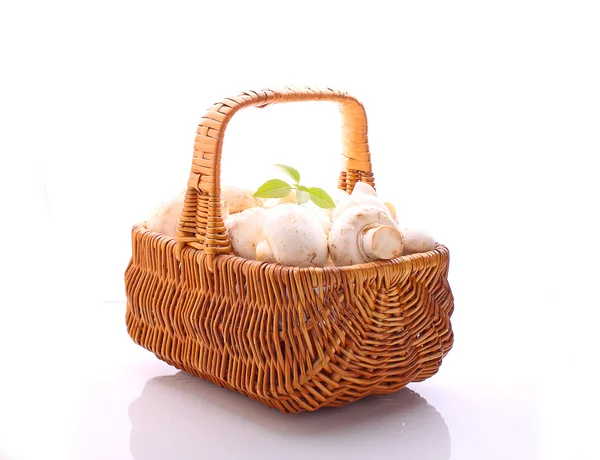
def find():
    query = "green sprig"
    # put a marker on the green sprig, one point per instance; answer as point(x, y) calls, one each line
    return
point(277, 188)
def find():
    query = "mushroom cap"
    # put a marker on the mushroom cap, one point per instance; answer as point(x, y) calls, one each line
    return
point(417, 240)
point(290, 198)
point(364, 234)
point(164, 218)
point(246, 230)
point(359, 199)
point(269, 203)
point(338, 195)
point(391, 208)
point(259, 202)
point(237, 198)
point(364, 188)
point(224, 211)
point(296, 237)
point(362, 194)
point(321, 214)
point(263, 252)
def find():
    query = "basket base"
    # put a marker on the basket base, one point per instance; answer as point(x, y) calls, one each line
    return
point(286, 403)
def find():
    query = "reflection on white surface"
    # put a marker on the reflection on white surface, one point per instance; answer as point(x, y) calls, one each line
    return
point(182, 417)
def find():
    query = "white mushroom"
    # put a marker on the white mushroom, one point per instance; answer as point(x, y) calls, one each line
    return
point(259, 202)
point(224, 210)
point(417, 240)
point(320, 214)
point(237, 198)
point(295, 237)
point(164, 219)
point(363, 194)
point(290, 198)
point(337, 195)
point(246, 230)
point(364, 188)
point(391, 208)
point(263, 252)
point(364, 234)
point(268, 203)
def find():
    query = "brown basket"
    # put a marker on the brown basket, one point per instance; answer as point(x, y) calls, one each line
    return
point(292, 338)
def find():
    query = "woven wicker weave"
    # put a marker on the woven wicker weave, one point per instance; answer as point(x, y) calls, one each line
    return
point(292, 338)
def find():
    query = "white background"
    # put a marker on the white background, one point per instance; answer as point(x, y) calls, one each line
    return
point(484, 128)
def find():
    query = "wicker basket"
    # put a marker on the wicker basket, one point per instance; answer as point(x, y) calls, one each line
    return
point(292, 338)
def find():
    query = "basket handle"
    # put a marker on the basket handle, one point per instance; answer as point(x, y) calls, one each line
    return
point(201, 223)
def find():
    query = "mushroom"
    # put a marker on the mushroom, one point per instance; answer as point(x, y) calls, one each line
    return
point(338, 196)
point(295, 237)
point(164, 218)
point(364, 234)
point(417, 240)
point(237, 198)
point(246, 230)
point(290, 198)
point(364, 188)
point(224, 210)
point(263, 252)
point(259, 202)
point(391, 208)
point(363, 194)
point(321, 215)
point(268, 203)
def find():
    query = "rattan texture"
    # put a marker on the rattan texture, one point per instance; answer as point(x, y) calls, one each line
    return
point(292, 338)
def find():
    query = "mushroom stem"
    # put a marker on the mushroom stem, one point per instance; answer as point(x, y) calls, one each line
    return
point(377, 242)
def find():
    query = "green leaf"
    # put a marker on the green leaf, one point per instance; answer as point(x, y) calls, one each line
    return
point(274, 188)
point(302, 194)
point(293, 173)
point(321, 198)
